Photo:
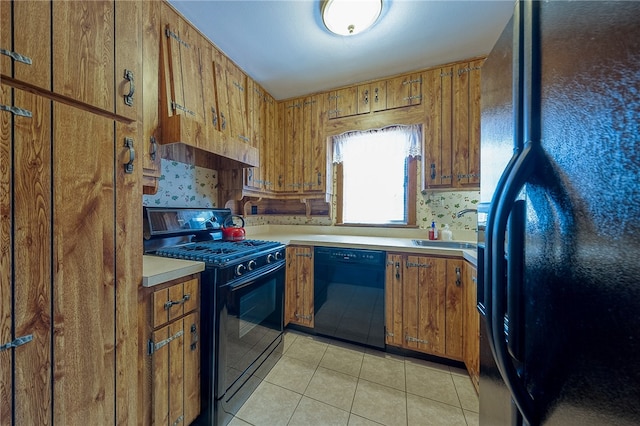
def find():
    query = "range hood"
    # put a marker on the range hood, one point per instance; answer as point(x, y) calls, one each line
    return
point(227, 153)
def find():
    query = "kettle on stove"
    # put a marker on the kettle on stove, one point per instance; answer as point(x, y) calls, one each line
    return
point(231, 231)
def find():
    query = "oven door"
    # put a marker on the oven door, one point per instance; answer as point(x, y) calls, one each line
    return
point(250, 329)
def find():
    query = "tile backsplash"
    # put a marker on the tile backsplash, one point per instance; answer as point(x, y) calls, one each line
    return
point(184, 185)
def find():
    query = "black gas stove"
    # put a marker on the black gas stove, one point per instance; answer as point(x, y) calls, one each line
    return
point(242, 302)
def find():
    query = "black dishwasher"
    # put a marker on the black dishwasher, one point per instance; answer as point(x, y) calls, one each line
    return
point(349, 294)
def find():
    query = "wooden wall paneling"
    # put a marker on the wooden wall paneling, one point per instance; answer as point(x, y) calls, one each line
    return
point(128, 264)
point(30, 37)
point(31, 182)
point(6, 249)
point(394, 299)
point(293, 127)
point(84, 271)
point(83, 52)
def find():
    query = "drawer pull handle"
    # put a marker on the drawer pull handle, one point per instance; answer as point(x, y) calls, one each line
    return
point(169, 303)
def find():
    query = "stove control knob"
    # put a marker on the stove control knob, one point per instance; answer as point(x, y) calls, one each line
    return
point(269, 258)
point(240, 269)
point(251, 265)
point(278, 255)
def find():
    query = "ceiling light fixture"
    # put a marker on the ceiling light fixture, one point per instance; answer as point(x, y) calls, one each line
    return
point(350, 17)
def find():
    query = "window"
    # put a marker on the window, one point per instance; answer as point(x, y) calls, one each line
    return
point(377, 175)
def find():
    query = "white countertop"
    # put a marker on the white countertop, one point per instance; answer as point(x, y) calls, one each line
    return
point(158, 270)
point(330, 237)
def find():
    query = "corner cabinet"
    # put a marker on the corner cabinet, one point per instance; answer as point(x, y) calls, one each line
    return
point(452, 158)
point(170, 345)
point(299, 286)
point(424, 304)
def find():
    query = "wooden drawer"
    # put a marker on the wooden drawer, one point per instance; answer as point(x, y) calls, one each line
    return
point(173, 302)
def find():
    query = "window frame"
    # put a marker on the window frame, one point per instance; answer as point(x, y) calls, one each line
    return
point(411, 167)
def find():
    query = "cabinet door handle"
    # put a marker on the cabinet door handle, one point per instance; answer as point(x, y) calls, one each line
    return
point(366, 97)
point(128, 98)
point(397, 270)
point(458, 277)
point(194, 337)
point(153, 149)
point(433, 171)
point(224, 122)
point(215, 117)
point(319, 179)
point(128, 166)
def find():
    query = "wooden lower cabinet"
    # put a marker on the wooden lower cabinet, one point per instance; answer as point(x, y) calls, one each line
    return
point(471, 325)
point(424, 304)
point(299, 286)
point(170, 352)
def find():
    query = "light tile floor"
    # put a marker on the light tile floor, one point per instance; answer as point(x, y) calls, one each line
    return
point(321, 382)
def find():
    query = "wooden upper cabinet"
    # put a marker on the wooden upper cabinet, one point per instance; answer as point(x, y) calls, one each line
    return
point(237, 95)
point(342, 102)
point(183, 94)
point(437, 161)
point(128, 58)
point(404, 91)
point(151, 132)
point(314, 147)
point(378, 95)
point(222, 111)
point(364, 98)
point(466, 125)
point(452, 133)
point(28, 37)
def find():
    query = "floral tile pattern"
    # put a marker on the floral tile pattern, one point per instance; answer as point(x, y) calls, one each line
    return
point(184, 185)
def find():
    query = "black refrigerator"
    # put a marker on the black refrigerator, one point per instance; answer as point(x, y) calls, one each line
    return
point(559, 223)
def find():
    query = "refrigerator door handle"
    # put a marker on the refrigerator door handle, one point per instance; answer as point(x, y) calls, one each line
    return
point(522, 170)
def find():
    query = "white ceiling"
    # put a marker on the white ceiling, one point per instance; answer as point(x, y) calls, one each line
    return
point(284, 46)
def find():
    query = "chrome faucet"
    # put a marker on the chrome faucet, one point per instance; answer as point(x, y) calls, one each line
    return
point(465, 211)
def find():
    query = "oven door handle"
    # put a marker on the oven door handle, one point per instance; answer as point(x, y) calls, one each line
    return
point(245, 280)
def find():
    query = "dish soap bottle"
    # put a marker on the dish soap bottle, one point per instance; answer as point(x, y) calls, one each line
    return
point(433, 231)
point(447, 235)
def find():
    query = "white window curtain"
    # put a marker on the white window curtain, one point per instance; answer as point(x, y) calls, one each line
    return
point(375, 174)
point(397, 140)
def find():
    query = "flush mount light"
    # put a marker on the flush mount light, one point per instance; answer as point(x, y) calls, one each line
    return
point(349, 17)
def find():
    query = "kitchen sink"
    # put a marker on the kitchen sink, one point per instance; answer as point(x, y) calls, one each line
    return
point(445, 244)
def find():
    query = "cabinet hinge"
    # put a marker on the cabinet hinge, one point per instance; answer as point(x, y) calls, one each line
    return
point(16, 111)
point(179, 420)
point(418, 265)
point(304, 317)
point(175, 106)
point(243, 138)
point(152, 346)
point(239, 86)
point(410, 98)
point(171, 34)
point(310, 102)
point(296, 105)
point(446, 74)
point(389, 334)
point(417, 80)
point(415, 339)
point(17, 342)
point(16, 56)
